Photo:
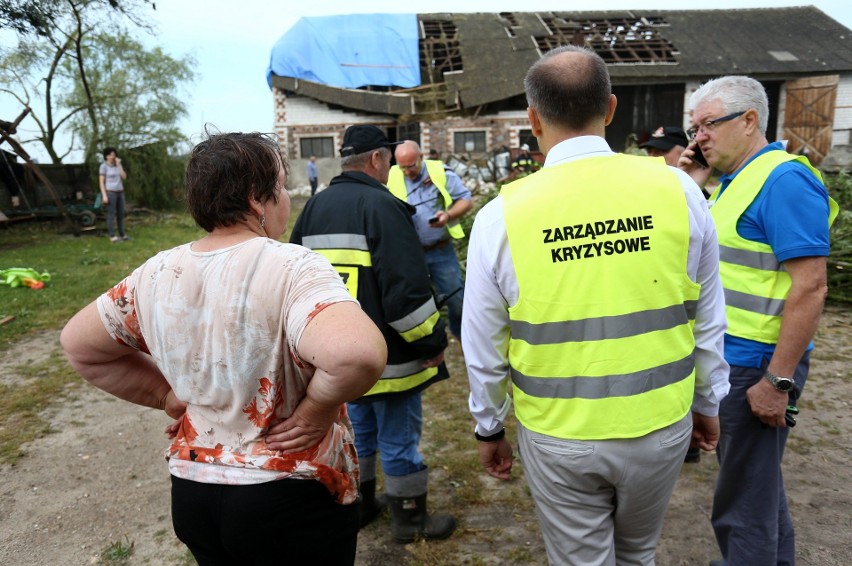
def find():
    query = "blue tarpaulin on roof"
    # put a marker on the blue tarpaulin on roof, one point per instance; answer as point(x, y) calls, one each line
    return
point(350, 51)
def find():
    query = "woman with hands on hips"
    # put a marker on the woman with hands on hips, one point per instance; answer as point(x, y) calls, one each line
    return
point(232, 334)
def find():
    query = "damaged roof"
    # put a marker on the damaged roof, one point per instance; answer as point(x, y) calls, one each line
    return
point(468, 60)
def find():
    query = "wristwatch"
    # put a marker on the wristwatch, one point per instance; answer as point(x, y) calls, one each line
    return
point(784, 384)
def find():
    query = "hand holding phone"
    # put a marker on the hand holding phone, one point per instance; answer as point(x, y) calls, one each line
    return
point(698, 156)
point(433, 220)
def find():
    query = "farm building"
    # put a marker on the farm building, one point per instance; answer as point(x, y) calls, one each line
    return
point(454, 82)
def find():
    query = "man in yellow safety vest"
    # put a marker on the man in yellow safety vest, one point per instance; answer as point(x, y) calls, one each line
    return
point(593, 290)
point(772, 213)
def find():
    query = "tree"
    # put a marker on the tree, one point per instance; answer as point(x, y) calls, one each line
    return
point(90, 78)
point(131, 92)
point(35, 17)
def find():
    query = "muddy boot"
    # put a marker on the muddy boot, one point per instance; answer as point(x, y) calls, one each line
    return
point(371, 506)
point(410, 520)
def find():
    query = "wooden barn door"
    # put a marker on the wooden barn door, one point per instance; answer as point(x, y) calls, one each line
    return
point(809, 116)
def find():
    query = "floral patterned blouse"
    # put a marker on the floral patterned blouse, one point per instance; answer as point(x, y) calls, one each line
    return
point(223, 327)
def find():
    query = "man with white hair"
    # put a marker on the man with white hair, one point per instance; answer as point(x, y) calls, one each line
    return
point(772, 214)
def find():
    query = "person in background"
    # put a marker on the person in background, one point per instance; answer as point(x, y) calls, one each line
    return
point(440, 199)
point(525, 163)
point(111, 175)
point(605, 314)
point(313, 174)
point(669, 142)
point(231, 334)
point(773, 213)
point(369, 237)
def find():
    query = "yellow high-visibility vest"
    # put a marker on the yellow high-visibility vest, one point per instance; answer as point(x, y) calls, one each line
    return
point(435, 169)
point(601, 343)
point(756, 284)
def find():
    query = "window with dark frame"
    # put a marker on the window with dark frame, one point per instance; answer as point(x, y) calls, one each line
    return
point(321, 147)
point(527, 137)
point(469, 142)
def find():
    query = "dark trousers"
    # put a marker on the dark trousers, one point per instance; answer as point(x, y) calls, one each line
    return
point(279, 522)
point(750, 515)
point(115, 213)
point(314, 183)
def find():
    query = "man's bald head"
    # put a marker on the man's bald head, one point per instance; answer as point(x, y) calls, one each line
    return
point(569, 87)
point(409, 158)
point(408, 148)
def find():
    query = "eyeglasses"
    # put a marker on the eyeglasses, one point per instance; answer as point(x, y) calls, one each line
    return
point(709, 125)
point(415, 165)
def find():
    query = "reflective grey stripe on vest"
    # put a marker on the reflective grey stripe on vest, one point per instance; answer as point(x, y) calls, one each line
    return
point(756, 260)
point(416, 318)
point(336, 242)
point(625, 385)
point(754, 303)
point(393, 371)
point(605, 327)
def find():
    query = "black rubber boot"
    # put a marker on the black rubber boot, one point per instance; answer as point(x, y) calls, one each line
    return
point(410, 520)
point(693, 456)
point(371, 506)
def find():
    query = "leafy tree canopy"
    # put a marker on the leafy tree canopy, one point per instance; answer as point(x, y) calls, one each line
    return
point(35, 17)
point(88, 80)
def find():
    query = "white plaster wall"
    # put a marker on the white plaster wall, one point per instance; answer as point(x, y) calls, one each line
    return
point(842, 130)
point(303, 111)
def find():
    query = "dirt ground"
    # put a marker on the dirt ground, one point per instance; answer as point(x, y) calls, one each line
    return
point(86, 486)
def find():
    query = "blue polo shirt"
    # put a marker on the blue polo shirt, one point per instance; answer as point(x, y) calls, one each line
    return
point(791, 215)
point(427, 201)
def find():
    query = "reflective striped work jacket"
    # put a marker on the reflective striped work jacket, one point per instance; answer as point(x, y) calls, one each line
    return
point(368, 236)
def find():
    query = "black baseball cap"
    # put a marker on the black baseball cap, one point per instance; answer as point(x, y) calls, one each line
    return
point(363, 138)
point(667, 137)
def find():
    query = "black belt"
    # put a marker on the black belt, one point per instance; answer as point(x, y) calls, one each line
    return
point(437, 245)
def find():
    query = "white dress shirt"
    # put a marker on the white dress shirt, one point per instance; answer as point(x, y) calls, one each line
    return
point(492, 287)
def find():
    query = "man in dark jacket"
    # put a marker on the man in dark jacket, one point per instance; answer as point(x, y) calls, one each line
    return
point(368, 235)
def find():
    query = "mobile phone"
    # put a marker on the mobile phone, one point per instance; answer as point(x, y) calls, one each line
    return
point(433, 220)
point(699, 156)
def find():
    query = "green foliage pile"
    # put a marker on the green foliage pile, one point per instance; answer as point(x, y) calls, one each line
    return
point(155, 178)
point(840, 260)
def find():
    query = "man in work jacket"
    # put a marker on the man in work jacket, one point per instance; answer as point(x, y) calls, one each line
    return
point(367, 234)
point(604, 312)
point(440, 199)
point(525, 163)
point(772, 213)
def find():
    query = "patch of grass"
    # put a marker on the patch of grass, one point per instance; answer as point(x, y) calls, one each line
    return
point(829, 427)
point(21, 405)
point(118, 552)
point(81, 268)
point(186, 559)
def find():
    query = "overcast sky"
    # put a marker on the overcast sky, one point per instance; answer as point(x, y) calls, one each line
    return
point(232, 40)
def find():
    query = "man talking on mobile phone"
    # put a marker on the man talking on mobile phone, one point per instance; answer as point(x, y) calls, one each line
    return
point(772, 214)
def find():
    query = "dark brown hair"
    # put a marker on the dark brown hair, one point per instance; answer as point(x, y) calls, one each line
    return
point(225, 171)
